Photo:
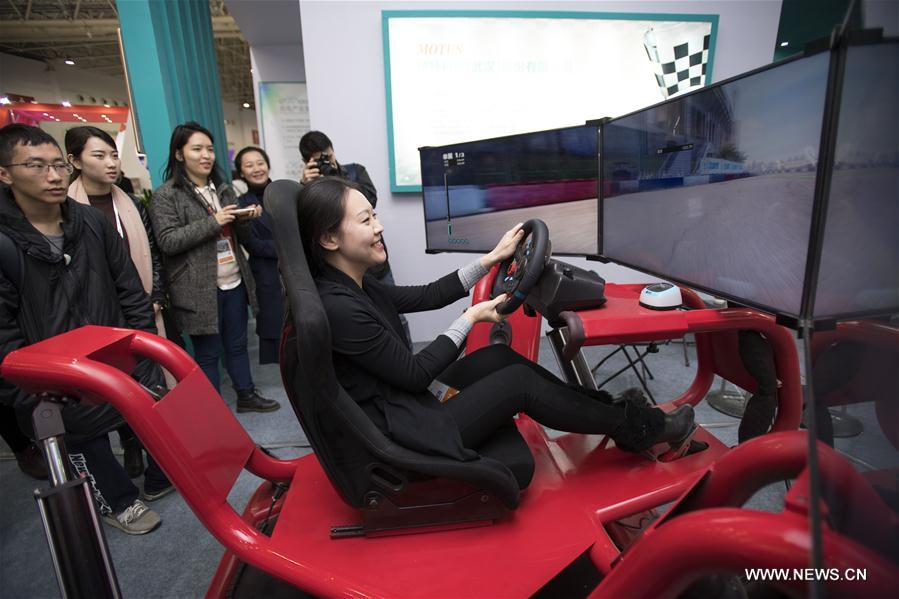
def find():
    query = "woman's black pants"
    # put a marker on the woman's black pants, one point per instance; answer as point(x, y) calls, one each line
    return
point(496, 383)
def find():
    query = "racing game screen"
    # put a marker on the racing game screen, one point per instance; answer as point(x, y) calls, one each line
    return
point(716, 189)
point(476, 191)
point(859, 268)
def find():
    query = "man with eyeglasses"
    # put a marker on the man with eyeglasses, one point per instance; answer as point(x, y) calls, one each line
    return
point(62, 266)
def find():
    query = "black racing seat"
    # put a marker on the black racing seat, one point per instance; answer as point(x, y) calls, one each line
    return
point(393, 487)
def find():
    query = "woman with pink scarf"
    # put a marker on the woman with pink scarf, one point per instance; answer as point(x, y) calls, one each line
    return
point(94, 154)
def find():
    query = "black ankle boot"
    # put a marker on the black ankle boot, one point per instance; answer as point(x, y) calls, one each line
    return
point(679, 424)
point(133, 457)
point(645, 427)
point(251, 401)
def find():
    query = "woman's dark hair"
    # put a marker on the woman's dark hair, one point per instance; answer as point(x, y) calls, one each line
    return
point(175, 169)
point(320, 211)
point(77, 138)
point(247, 150)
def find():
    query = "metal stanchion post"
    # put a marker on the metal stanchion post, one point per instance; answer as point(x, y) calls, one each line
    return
point(74, 533)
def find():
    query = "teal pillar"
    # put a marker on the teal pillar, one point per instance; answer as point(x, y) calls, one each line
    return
point(170, 59)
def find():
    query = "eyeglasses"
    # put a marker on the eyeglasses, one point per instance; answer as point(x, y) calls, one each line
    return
point(39, 168)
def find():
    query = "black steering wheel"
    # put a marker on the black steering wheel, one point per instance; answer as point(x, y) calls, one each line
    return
point(520, 272)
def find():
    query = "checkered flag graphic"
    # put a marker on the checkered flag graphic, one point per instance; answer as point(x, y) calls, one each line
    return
point(679, 62)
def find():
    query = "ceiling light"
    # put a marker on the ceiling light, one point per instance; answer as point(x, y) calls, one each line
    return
point(66, 103)
point(784, 44)
point(246, 104)
point(4, 100)
point(69, 61)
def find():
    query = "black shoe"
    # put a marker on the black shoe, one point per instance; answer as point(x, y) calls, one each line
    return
point(679, 425)
point(644, 428)
point(251, 401)
point(31, 462)
point(133, 457)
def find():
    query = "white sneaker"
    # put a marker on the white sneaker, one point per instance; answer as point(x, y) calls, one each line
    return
point(136, 519)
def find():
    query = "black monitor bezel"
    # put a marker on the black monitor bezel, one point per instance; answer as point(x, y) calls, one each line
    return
point(429, 250)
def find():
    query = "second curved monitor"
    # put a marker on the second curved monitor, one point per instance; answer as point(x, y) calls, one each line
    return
point(475, 191)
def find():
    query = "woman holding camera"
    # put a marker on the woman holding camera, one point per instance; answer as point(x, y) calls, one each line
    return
point(198, 225)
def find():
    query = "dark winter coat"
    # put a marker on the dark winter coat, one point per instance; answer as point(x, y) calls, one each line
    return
point(260, 243)
point(100, 286)
point(186, 235)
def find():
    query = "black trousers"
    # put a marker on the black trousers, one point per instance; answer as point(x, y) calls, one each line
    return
point(112, 488)
point(496, 383)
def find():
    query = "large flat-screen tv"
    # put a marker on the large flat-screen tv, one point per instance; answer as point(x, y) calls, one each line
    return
point(859, 259)
point(715, 189)
point(476, 191)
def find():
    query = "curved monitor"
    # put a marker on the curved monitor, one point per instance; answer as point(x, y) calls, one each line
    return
point(716, 189)
point(476, 191)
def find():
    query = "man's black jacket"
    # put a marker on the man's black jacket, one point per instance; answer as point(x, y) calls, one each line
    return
point(99, 286)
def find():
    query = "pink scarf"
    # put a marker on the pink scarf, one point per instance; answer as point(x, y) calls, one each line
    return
point(138, 244)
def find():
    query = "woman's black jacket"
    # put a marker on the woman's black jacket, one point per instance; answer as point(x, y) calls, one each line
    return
point(377, 368)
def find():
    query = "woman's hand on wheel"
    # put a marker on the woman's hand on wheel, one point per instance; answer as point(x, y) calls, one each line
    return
point(505, 247)
point(225, 216)
point(486, 311)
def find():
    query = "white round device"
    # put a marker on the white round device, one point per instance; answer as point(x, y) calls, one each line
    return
point(661, 296)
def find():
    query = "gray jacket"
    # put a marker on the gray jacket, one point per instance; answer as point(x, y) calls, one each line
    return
point(186, 234)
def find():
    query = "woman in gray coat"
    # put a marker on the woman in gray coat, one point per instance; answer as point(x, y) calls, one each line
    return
point(197, 225)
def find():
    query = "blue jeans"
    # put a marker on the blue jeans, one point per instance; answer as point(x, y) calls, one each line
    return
point(232, 307)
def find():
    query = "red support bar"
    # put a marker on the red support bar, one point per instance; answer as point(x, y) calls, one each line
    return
point(622, 320)
point(733, 540)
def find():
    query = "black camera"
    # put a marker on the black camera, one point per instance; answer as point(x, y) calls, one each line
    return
point(327, 168)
